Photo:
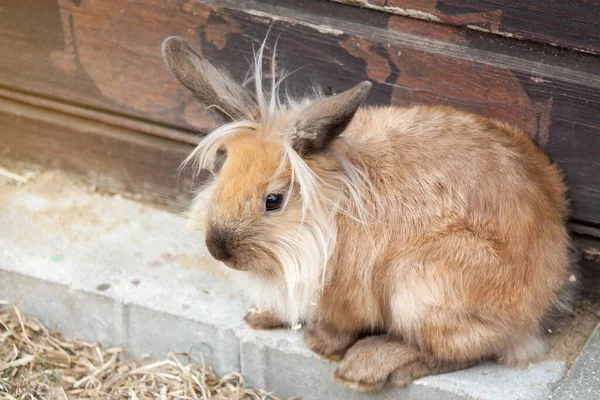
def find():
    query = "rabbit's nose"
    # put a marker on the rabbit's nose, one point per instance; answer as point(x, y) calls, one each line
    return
point(219, 244)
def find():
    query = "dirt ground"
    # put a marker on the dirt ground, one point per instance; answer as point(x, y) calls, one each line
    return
point(564, 342)
point(569, 336)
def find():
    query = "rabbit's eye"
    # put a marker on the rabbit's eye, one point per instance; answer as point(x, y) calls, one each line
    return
point(273, 201)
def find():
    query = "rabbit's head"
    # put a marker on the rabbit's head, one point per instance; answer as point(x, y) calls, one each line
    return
point(270, 208)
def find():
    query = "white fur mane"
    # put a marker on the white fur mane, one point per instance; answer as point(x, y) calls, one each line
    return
point(305, 253)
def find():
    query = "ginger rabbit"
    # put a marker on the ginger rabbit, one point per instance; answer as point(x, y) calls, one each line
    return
point(409, 241)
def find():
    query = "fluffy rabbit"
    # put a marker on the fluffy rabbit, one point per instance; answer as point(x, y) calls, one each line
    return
point(409, 241)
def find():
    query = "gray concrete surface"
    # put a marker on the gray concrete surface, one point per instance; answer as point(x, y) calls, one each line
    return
point(583, 380)
point(108, 269)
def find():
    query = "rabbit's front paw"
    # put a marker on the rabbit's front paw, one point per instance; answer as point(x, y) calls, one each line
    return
point(327, 342)
point(263, 320)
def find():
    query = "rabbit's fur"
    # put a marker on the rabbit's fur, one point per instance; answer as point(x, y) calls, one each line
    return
point(410, 241)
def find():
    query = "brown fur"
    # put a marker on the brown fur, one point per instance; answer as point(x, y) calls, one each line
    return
point(473, 251)
point(263, 320)
point(464, 254)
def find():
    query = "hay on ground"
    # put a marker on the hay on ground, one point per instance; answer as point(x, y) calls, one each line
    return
point(37, 363)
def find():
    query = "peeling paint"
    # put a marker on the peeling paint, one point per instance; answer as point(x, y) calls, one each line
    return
point(326, 29)
point(495, 32)
point(591, 253)
point(538, 79)
point(406, 12)
point(412, 13)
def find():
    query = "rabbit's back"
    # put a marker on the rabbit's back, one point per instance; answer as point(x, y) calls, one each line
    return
point(470, 226)
point(437, 160)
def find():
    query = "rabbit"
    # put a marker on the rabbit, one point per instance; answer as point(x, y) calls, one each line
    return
point(407, 241)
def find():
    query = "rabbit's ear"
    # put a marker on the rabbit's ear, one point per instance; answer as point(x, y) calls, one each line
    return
point(323, 120)
point(212, 86)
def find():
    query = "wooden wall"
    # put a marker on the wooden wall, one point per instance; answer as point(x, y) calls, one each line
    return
point(82, 82)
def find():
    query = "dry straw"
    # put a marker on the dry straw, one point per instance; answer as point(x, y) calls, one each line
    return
point(37, 363)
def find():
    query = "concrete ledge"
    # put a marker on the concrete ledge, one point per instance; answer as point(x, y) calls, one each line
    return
point(111, 270)
point(583, 379)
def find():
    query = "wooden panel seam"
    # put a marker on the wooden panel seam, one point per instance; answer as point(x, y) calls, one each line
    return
point(115, 159)
point(102, 116)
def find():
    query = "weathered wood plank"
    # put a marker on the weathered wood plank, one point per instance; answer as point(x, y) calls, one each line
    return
point(105, 56)
point(115, 159)
point(570, 24)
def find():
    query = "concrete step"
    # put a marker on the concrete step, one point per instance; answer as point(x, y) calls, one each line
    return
point(583, 379)
point(111, 270)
